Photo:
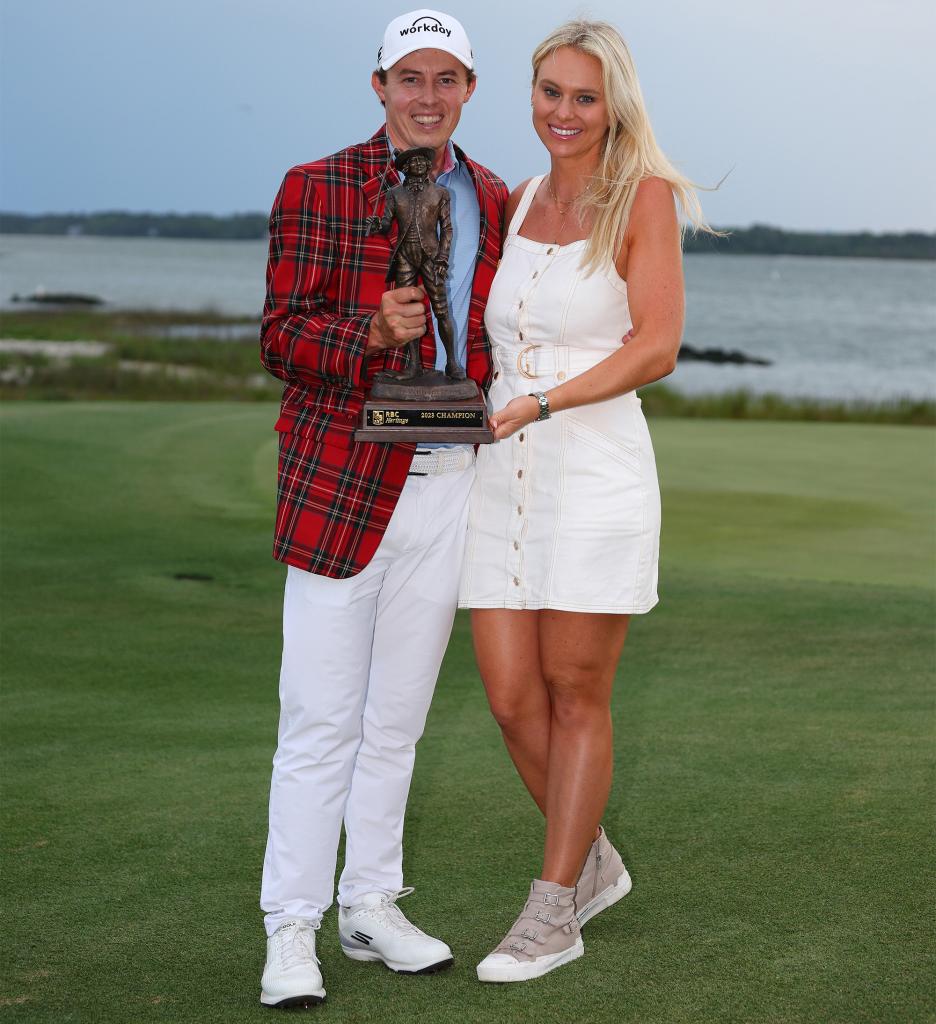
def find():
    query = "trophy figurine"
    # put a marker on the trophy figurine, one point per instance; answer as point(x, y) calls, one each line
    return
point(421, 403)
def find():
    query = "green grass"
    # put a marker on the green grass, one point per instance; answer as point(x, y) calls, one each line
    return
point(774, 728)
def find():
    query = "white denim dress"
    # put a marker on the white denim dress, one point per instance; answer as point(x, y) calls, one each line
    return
point(565, 513)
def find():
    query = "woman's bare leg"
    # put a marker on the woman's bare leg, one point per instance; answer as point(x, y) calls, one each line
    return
point(506, 644)
point(579, 653)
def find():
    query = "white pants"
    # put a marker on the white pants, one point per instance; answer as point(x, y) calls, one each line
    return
point(360, 661)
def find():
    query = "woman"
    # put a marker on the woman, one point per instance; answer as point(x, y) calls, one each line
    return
point(564, 517)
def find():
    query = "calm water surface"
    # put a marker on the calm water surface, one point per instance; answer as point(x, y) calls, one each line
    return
point(833, 328)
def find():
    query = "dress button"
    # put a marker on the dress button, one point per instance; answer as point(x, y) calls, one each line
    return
point(516, 545)
point(516, 582)
point(519, 510)
point(550, 251)
point(496, 374)
point(520, 306)
point(560, 375)
point(520, 436)
point(536, 273)
point(519, 474)
point(521, 335)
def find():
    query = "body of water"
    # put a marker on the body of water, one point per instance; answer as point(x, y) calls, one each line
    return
point(832, 328)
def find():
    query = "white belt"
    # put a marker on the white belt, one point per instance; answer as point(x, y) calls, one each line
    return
point(559, 361)
point(441, 460)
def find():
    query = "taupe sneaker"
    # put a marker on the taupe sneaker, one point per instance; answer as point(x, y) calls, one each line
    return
point(603, 881)
point(544, 936)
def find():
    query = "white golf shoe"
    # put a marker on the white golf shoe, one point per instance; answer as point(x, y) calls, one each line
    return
point(376, 929)
point(291, 977)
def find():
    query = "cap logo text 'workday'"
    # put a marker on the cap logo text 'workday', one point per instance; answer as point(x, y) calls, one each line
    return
point(425, 24)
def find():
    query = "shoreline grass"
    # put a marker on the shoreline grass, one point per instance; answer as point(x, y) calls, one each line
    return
point(144, 363)
point(738, 404)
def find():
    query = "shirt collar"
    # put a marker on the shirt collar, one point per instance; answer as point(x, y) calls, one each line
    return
point(451, 161)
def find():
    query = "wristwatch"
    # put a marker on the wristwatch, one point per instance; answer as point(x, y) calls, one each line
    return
point(543, 404)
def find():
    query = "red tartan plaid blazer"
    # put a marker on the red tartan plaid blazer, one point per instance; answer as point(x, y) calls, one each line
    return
point(325, 276)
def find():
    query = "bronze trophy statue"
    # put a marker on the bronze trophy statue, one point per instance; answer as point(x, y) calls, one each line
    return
point(421, 403)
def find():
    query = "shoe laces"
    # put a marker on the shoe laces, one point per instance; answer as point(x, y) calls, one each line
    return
point(388, 913)
point(297, 943)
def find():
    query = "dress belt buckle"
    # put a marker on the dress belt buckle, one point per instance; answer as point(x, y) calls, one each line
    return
point(524, 362)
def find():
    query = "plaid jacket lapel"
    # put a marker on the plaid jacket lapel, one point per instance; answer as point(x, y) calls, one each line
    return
point(379, 173)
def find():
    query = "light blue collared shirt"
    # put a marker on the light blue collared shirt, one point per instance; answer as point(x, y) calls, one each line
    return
point(466, 234)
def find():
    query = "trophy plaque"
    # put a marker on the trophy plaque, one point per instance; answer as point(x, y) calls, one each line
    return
point(417, 404)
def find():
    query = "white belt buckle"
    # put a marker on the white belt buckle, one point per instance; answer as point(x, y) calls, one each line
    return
point(525, 361)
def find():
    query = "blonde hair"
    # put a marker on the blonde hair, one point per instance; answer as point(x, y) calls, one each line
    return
point(631, 153)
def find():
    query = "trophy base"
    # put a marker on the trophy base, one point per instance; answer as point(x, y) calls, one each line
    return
point(426, 411)
point(431, 386)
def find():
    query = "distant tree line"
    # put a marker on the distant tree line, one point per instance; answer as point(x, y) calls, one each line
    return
point(757, 239)
point(768, 241)
point(116, 223)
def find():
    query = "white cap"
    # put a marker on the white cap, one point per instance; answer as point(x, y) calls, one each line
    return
point(424, 30)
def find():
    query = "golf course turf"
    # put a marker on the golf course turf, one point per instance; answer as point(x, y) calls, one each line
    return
point(773, 732)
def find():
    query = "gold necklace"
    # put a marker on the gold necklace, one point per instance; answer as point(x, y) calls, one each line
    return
point(567, 203)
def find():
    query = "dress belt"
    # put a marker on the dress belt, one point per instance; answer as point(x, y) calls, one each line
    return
point(559, 361)
point(440, 460)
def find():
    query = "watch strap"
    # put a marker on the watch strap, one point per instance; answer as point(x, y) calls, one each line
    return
point(544, 412)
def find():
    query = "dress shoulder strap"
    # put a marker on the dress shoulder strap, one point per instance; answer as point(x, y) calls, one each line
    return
point(525, 200)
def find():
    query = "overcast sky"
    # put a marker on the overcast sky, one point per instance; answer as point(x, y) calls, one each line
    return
point(818, 108)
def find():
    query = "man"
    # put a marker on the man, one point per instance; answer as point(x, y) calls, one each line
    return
point(372, 534)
